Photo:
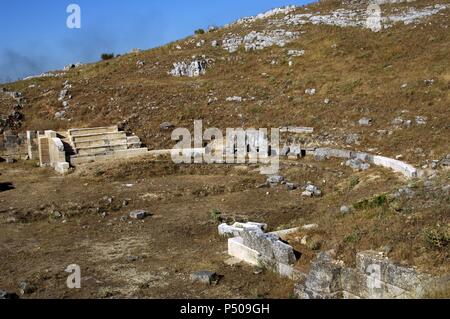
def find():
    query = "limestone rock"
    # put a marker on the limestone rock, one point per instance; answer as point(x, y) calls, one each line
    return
point(269, 246)
point(139, 214)
point(194, 68)
point(205, 277)
point(365, 121)
point(274, 180)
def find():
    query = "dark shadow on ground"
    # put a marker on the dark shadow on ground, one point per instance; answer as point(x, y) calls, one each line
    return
point(6, 187)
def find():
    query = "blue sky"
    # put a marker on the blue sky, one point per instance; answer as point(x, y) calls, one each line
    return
point(35, 38)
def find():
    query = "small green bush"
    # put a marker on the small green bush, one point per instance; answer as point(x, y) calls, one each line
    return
point(215, 215)
point(199, 31)
point(107, 56)
point(376, 201)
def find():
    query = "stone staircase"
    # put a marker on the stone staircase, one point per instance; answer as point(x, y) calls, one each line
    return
point(102, 143)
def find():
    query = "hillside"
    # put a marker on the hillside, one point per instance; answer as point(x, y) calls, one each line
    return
point(314, 66)
point(400, 72)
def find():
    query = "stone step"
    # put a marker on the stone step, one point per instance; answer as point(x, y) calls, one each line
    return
point(100, 150)
point(94, 130)
point(120, 154)
point(101, 142)
point(98, 137)
point(133, 139)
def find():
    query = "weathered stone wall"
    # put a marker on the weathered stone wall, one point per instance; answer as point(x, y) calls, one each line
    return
point(52, 152)
point(393, 164)
point(13, 145)
point(374, 277)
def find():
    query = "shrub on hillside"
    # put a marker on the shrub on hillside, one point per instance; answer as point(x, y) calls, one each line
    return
point(199, 31)
point(107, 56)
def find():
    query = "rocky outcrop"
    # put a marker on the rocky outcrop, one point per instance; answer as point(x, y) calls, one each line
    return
point(259, 40)
point(194, 68)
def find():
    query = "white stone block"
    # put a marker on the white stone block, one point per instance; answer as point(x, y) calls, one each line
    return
point(237, 249)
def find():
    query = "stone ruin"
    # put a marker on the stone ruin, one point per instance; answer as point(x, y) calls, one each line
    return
point(374, 277)
point(61, 150)
point(250, 244)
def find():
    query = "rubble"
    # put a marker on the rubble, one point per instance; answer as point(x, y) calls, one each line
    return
point(205, 277)
point(139, 214)
point(312, 191)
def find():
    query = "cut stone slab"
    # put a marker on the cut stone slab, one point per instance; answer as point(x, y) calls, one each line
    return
point(237, 249)
point(236, 229)
point(205, 277)
point(268, 245)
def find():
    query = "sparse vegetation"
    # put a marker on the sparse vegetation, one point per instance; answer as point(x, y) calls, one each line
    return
point(373, 202)
point(199, 31)
point(107, 56)
point(437, 237)
point(215, 215)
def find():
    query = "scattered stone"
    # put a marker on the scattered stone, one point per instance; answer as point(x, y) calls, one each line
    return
point(291, 186)
point(357, 164)
point(365, 121)
point(234, 99)
point(327, 101)
point(345, 210)
point(421, 120)
point(60, 115)
point(166, 126)
point(139, 214)
point(274, 180)
point(296, 53)
point(56, 215)
point(26, 288)
point(131, 259)
point(397, 121)
point(11, 220)
point(310, 92)
point(258, 271)
point(140, 63)
point(205, 277)
point(312, 191)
